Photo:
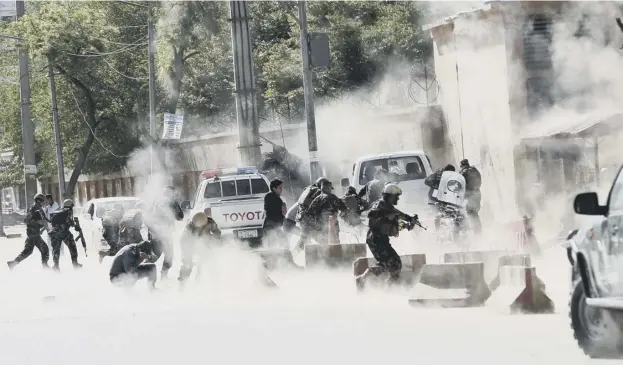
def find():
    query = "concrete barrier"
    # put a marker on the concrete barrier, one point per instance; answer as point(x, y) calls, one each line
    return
point(510, 260)
point(277, 258)
point(462, 285)
point(490, 259)
point(411, 266)
point(520, 291)
point(334, 255)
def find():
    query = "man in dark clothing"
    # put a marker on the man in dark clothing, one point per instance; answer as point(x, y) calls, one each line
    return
point(324, 206)
point(371, 192)
point(61, 221)
point(384, 222)
point(162, 225)
point(305, 219)
point(200, 230)
point(275, 209)
point(110, 226)
point(35, 223)
point(473, 181)
point(129, 265)
point(432, 180)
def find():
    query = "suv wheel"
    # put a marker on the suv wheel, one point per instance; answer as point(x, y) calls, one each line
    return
point(594, 329)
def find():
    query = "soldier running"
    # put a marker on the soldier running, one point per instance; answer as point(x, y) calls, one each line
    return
point(61, 221)
point(110, 225)
point(201, 229)
point(35, 223)
point(324, 206)
point(384, 222)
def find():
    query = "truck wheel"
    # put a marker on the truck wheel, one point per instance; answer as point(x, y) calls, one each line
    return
point(594, 329)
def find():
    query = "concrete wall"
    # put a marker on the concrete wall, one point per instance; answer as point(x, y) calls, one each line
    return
point(471, 66)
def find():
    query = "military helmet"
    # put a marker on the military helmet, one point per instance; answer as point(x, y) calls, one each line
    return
point(392, 189)
point(321, 180)
point(199, 219)
point(68, 203)
point(39, 197)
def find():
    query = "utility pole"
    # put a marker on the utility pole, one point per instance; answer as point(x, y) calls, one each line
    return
point(151, 51)
point(57, 134)
point(28, 133)
point(246, 93)
point(308, 91)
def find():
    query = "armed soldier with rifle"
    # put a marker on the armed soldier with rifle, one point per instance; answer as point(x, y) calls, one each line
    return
point(385, 221)
point(35, 224)
point(61, 221)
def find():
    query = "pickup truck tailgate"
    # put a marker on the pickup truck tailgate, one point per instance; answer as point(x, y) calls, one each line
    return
point(233, 214)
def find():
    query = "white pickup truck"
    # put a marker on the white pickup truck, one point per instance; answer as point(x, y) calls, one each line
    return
point(408, 169)
point(235, 200)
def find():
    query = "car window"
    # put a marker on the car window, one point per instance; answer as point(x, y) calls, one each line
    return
point(259, 186)
point(616, 195)
point(243, 186)
point(229, 188)
point(406, 168)
point(212, 190)
point(91, 210)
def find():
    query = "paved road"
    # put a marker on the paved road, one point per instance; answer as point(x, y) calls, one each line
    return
point(314, 317)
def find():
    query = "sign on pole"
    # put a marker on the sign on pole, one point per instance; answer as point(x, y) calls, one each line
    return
point(7, 9)
point(172, 126)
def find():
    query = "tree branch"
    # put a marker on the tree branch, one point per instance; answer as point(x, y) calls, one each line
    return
point(190, 55)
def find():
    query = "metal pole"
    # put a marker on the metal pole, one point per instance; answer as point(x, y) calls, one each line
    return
point(308, 90)
point(2, 234)
point(57, 135)
point(245, 93)
point(28, 133)
point(151, 50)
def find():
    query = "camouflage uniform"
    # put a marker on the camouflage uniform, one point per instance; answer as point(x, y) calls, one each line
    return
point(34, 224)
point(164, 215)
point(353, 204)
point(372, 191)
point(383, 223)
point(305, 219)
point(321, 208)
point(130, 228)
point(188, 244)
point(61, 221)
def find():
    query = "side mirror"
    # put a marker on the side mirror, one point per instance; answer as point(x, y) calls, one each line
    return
point(345, 182)
point(588, 204)
point(572, 234)
point(185, 205)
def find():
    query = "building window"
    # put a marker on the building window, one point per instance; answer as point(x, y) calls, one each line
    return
point(537, 59)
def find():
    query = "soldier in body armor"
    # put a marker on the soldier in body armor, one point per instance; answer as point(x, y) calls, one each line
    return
point(384, 222)
point(200, 230)
point(61, 221)
point(305, 220)
point(35, 223)
point(322, 207)
point(354, 206)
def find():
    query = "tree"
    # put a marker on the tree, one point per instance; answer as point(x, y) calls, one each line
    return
point(88, 44)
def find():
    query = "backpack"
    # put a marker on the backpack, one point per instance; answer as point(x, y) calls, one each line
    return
point(473, 180)
point(59, 217)
point(308, 196)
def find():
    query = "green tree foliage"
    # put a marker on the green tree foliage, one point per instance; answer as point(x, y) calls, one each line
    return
point(98, 51)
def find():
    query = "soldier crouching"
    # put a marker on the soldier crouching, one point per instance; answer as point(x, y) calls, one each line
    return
point(383, 223)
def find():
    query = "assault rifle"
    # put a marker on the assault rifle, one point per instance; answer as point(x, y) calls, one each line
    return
point(80, 235)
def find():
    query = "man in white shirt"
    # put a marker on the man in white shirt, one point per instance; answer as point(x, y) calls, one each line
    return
point(50, 206)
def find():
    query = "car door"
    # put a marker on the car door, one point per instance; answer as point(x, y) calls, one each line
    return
point(615, 237)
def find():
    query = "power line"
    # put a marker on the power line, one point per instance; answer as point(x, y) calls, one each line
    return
point(117, 51)
point(122, 74)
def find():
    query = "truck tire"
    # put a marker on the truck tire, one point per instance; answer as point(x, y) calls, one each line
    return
point(594, 329)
